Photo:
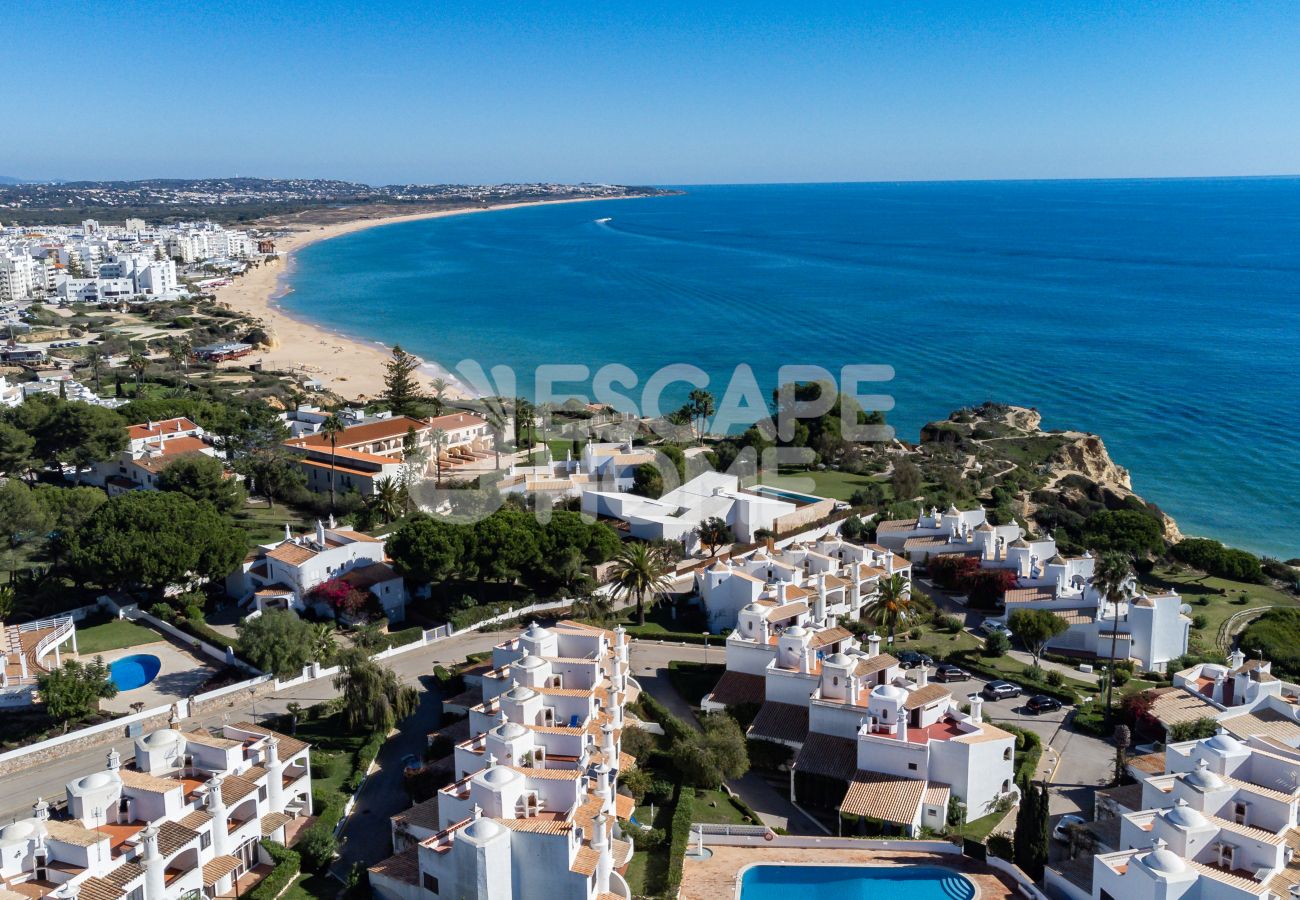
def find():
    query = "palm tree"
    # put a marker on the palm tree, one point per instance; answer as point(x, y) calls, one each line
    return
point(95, 359)
point(439, 386)
point(137, 363)
point(524, 415)
point(892, 606)
point(332, 427)
point(640, 572)
point(439, 440)
point(323, 647)
point(1111, 579)
point(496, 419)
point(388, 500)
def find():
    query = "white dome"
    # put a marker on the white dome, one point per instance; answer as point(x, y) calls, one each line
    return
point(1185, 816)
point(1164, 860)
point(536, 632)
point(531, 662)
point(500, 775)
point(1204, 779)
point(1224, 743)
point(889, 692)
point(520, 693)
point(752, 608)
point(796, 631)
point(165, 737)
point(18, 831)
point(95, 780)
point(482, 829)
point(837, 659)
point(511, 730)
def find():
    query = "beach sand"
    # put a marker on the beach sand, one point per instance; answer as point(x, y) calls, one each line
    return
point(350, 367)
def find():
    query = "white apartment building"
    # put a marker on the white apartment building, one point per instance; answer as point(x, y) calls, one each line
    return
point(150, 448)
point(607, 466)
point(284, 574)
point(184, 818)
point(534, 813)
point(831, 576)
point(21, 277)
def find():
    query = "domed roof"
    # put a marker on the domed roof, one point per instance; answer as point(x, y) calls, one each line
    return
point(985, 526)
point(1020, 544)
point(511, 730)
point(889, 692)
point(837, 659)
point(1057, 560)
point(536, 632)
point(952, 510)
point(1164, 860)
point(500, 775)
point(94, 780)
point(530, 662)
point(753, 608)
point(165, 737)
point(1203, 778)
point(796, 631)
point(482, 829)
point(520, 693)
point(1224, 743)
point(18, 831)
point(1185, 816)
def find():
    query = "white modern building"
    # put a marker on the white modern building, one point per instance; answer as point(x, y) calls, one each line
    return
point(184, 818)
point(284, 574)
point(535, 811)
point(605, 466)
point(150, 448)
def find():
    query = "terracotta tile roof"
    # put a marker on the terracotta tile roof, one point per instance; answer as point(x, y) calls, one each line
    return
point(1285, 796)
point(456, 421)
point(826, 754)
point(218, 868)
point(125, 874)
point(1029, 594)
point(1258, 834)
point(196, 819)
point(884, 797)
point(384, 429)
point(538, 825)
point(1290, 874)
point(201, 736)
point(236, 788)
point(292, 554)
point(172, 836)
point(925, 695)
point(139, 781)
point(987, 732)
point(1175, 705)
point(830, 636)
point(421, 815)
point(1152, 763)
point(738, 687)
point(154, 429)
point(1238, 881)
point(363, 578)
point(780, 722)
point(73, 833)
point(96, 888)
point(937, 794)
point(1264, 723)
point(357, 536)
point(404, 866)
point(584, 861)
point(289, 746)
point(872, 665)
point(273, 820)
point(788, 610)
point(549, 774)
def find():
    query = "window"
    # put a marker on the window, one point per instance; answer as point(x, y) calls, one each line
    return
point(205, 840)
point(137, 894)
point(911, 767)
point(1006, 754)
point(430, 883)
point(261, 793)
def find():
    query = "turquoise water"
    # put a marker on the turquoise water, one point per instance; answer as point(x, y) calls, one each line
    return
point(763, 882)
point(1161, 314)
point(131, 672)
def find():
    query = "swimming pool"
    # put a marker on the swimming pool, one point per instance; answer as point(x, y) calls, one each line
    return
point(131, 672)
point(769, 882)
point(788, 496)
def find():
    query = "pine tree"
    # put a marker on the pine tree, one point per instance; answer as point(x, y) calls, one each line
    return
point(401, 389)
point(1031, 834)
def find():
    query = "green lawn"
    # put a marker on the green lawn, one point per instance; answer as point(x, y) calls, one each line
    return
point(1216, 599)
point(265, 524)
point(113, 636)
point(827, 483)
point(980, 829)
point(715, 807)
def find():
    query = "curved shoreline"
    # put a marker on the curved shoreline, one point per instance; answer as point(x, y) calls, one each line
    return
point(345, 364)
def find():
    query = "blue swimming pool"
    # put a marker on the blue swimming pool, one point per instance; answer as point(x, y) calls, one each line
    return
point(766, 882)
point(789, 496)
point(131, 672)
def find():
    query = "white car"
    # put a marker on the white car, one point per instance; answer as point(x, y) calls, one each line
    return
point(995, 626)
point(1062, 830)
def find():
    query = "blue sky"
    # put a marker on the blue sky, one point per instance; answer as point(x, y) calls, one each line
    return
point(662, 93)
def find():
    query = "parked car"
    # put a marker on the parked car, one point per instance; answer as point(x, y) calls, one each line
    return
point(910, 659)
point(996, 626)
point(946, 673)
point(1062, 830)
point(1041, 703)
point(412, 763)
point(1000, 690)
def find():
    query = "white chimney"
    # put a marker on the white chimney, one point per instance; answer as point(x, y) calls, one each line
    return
point(922, 676)
point(873, 645)
point(976, 708)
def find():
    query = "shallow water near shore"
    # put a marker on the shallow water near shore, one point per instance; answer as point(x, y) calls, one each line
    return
point(1163, 315)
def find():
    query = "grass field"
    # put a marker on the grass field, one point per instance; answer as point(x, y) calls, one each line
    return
point(1216, 599)
point(265, 524)
point(113, 635)
point(828, 483)
point(715, 807)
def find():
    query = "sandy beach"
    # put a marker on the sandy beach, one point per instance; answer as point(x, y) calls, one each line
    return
point(348, 366)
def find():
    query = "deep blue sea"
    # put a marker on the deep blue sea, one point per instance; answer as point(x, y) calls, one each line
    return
point(1164, 315)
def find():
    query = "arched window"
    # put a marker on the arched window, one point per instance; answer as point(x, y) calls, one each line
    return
point(1006, 754)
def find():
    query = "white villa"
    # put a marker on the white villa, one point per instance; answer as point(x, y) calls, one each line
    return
point(678, 514)
point(150, 448)
point(283, 574)
point(535, 809)
point(1149, 629)
point(830, 576)
point(873, 743)
point(31, 649)
point(1244, 696)
point(184, 818)
point(606, 466)
point(1219, 822)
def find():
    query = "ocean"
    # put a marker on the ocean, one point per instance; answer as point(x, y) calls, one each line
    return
point(1163, 315)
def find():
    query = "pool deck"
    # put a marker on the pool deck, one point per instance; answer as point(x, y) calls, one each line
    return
point(180, 676)
point(717, 878)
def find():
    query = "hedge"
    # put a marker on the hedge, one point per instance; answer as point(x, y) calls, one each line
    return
point(654, 633)
point(673, 726)
point(969, 660)
point(278, 880)
point(679, 836)
point(1030, 746)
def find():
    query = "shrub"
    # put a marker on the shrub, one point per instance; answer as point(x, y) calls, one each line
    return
point(1054, 678)
point(679, 836)
point(1200, 621)
point(1000, 846)
point(285, 871)
point(647, 840)
point(950, 624)
point(318, 846)
point(1225, 562)
point(996, 645)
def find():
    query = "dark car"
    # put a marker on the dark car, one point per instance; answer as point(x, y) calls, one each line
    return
point(1041, 703)
point(910, 659)
point(1000, 690)
point(947, 673)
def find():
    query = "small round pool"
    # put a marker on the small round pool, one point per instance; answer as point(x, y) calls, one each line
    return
point(849, 882)
point(131, 672)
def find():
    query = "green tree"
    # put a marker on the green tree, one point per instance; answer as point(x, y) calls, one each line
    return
point(17, 450)
point(1036, 628)
point(22, 515)
point(389, 499)
point(701, 405)
point(438, 440)
point(274, 473)
point(73, 690)
point(906, 479)
point(80, 435)
point(1127, 531)
point(278, 641)
point(1112, 578)
point(373, 699)
point(137, 363)
point(1123, 737)
point(641, 573)
point(331, 428)
point(401, 389)
point(506, 545)
point(151, 539)
point(203, 478)
point(707, 759)
point(891, 608)
point(1031, 833)
point(647, 481)
point(715, 534)
point(425, 549)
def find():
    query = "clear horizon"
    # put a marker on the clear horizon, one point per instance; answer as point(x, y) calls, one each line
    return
point(754, 93)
